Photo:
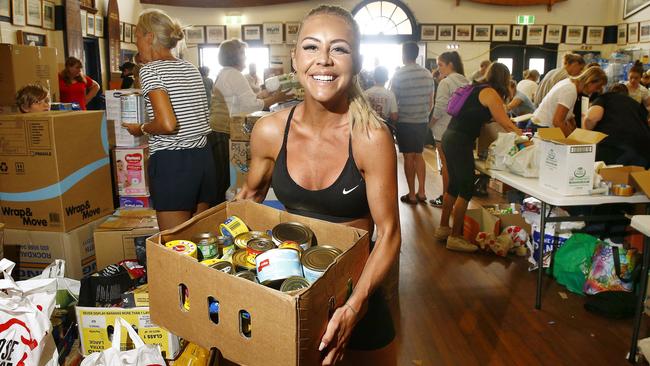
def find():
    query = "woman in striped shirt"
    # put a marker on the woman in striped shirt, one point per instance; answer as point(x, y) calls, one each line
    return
point(181, 167)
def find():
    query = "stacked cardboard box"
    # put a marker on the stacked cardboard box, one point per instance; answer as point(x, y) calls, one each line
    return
point(241, 127)
point(54, 179)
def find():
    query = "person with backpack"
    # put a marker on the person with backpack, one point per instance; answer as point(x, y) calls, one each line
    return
point(452, 72)
point(471, 106)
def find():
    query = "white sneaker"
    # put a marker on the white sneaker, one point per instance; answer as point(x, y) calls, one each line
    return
point(442, 233)
point(459, 244)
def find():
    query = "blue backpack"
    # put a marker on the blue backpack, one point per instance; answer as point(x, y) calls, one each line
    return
point(458, 99)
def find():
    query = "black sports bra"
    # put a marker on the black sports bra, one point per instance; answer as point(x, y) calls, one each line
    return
point(345, 200)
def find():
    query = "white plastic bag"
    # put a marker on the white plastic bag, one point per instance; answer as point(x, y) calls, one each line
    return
point(141, 355)
point(525, 162)
point(500, 150)
point(25, 328)
point(56, 270)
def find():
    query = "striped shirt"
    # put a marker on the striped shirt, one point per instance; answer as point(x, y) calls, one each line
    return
point(184, 85)
point(413, 88)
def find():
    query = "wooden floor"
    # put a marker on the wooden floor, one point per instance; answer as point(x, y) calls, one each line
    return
point(478, 309)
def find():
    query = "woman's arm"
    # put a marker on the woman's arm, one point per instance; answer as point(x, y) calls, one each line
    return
point(516, 102)
point(491, 99)
point(164, 120)
point(376, 158)
point(92, 90)
point(559, 119)
point(594, 115)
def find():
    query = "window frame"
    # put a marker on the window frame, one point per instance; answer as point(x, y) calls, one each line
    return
point(382, 38)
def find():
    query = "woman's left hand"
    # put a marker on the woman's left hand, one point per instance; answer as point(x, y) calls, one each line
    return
point(337, 334)
point(133, 128)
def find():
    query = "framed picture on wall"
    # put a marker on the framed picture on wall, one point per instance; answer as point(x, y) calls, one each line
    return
point(291, 32)
point(35, 13)
point(535, 34)
point(122, 31)
point(633, 6)
point(621, 34)
point(574, 34)
point(99, 25)
point(595, 35)
point(127, 32)
point(428, 32)
point(5, 9)
point(48, 14)
point(18, 12)
point(463, 33)
point(84, 17)
point(90, 24)
point(633, 33)
point(251, 32)
point(31, 39)
point(501, 33)
point(445, 32)
point(482, 33)
point(273, 33)
point(553, 33)
point(517, 32)
point(644, 32)
point(195, 35)
point(215, 34)
point(133, 26)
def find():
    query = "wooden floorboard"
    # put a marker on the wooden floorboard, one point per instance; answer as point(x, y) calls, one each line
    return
point(478, 309)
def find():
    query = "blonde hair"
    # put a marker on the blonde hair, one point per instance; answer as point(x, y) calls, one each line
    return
point(360, 112)
point(31, 94)
point(591, 75)
point(166, 31)
point(571, 58)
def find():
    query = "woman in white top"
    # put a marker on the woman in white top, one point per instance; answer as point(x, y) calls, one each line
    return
point(529, 86)
point(452, 73)
point(637, 91)
point(556, 107)
point(233, 85)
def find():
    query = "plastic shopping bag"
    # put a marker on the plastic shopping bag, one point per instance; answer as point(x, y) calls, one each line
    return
point(573, 261)
point(525, 162)
point(67, 288)
point(500, 150)
point(141, 355)
point(612, 269)
point(25, 309)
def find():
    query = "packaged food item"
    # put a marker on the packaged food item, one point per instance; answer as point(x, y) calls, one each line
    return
point(277, 265)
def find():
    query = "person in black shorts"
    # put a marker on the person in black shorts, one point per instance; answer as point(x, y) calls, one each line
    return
point(485, 102)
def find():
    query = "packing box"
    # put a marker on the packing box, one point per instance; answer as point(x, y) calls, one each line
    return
point(641, 181)
point(286, 329)
point(131, 170)
point(135, 201)
point(567, 163)
point(115, 237)
point(96, 330)
point(240, 155)
point(22, 65)
point(54, 170)
point(498, 186)
point(479, 220)
point(619, 175)
point(37, 249)
point(118, 135)
point(510, 219)
point(241, 126)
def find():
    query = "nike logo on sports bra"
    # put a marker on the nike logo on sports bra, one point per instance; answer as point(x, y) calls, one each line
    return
point(346, 191)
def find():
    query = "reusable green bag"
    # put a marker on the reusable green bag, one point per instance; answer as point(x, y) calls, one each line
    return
point(572, 261)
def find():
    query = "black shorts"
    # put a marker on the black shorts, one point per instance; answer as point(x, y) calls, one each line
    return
point(375, 330)
point(459, 151)
point(180, 179)
point(411, 137)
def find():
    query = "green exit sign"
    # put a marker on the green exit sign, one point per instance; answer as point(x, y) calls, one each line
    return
point(526, 19)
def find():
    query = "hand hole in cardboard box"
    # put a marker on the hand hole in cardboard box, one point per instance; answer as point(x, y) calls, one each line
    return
point(184, 297)
point(213, 309)
point(245, 322)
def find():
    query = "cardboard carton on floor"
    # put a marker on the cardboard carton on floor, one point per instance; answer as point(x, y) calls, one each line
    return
point(131, 170)
point(96, 330)
point(22, 65)
point(567, 163)
point(511, 219)
point(115, 237)
point(54, 170)
point(242, 125)
point(498, 186)
point(479, 220)
point(240, 155)
point(286, 329)
point(37, 249)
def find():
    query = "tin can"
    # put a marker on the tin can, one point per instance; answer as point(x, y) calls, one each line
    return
point(256, 247)
point(315, 261)
point(184, 247)
point(293, 231)
point(132, 108)
point(240, 261)
point(294, 283)
point(241, 240)
point(291, 245)
point(233, 226)
point(207, 245)
point(223, 266)
point(277, 265)
point(247, 275)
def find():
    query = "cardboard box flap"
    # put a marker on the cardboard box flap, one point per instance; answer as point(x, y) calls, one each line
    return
point(578, 137)
point(642, 181)
point(128, 223)
point(551, 134)
point(587, 136)
point(619, 175)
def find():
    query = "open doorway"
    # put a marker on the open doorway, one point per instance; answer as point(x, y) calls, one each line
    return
point(388, 55)
point(209, 56)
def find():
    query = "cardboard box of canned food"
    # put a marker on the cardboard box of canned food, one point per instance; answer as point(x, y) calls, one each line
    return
point(285, 328)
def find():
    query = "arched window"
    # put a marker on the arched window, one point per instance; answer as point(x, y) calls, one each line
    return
point(384, 18)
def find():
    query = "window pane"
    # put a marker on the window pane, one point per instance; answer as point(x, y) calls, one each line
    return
point(387, 9)
point(507, 62)
point(399, 16)
point(405, 28)
point(375, 9)
point(383, 17)
point(537, 64)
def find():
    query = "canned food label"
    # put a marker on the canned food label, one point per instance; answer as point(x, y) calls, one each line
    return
point(311, 275)
point(233, 226)
point(208, 251)
point(278, 264)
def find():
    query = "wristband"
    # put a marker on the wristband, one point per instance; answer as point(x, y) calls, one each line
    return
point(351, 308)
point(145, 133)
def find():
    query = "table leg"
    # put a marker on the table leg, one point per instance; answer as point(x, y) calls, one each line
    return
point(640, 301)
point(540, 255)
